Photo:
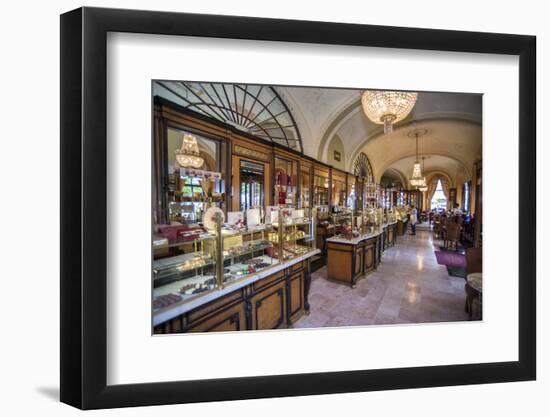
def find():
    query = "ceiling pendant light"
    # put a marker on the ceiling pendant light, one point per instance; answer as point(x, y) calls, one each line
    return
point(387, 107)
point(417, 179)
point(424, 187)
point(188, 156)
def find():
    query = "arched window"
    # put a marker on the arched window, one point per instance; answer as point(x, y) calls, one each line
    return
point(363, 169)
point(255, 109)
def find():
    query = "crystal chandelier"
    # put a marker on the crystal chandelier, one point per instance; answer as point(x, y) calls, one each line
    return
point(417, 180)
point(387, 107)
point(188, 156)
point(423, 187)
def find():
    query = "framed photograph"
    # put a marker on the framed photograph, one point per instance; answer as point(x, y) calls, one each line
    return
point(258, 208)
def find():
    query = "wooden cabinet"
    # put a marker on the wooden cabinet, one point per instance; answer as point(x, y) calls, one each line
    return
point(277, 300)
point(345, 262)
point(268, 307)
point(231, 319)
point(348, 262)
point(295, 296)
point(358, 262)
point(340, 265)
point(370, 255)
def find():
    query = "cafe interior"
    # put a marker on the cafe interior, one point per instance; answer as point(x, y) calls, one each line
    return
point(277, 207)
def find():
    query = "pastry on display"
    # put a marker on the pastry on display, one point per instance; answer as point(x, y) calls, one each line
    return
point(165, 300)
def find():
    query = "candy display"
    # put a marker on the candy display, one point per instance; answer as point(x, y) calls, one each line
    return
point(165, 300)
point(244, 253)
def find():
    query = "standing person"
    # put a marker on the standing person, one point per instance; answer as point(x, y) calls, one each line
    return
point(457, 211)
point(414, 219)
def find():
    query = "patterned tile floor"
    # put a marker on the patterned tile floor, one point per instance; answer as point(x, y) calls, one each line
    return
point(408, 287)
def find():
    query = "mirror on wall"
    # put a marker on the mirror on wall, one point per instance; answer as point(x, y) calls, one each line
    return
point(320, 189)
point(196, 177)
point(338, 191)
point(305, 187)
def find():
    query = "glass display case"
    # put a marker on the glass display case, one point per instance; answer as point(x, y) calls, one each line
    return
point(217, 258)
point(391, 216)
point(400, 213)
point(246, 252)
point(183, 276)
point(293, 233)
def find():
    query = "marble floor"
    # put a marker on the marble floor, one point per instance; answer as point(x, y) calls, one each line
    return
point(408, 287)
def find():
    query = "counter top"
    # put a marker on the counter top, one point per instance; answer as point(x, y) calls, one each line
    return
point(355, 240)
point(182, 307)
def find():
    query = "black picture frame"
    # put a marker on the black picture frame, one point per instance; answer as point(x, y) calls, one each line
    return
point(84, 207)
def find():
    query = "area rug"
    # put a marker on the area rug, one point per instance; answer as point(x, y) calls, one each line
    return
point(450, 259)
point(461, 249)
point(456, 271)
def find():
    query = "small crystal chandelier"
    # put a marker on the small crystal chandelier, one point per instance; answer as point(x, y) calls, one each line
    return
point(417, 180)
point(188, 156)
point(423, 187)
point(387, 107)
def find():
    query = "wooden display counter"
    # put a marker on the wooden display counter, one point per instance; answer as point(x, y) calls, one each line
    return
point(390, 234)
point(271, 300)
point(402, 227)
point(324, 232)
point(350, 260)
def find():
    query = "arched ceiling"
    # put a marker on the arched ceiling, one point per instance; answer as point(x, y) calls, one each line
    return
point(453, 121)
point(314, 109)
point(324, 115)
point(432, 164)
point(449, 144)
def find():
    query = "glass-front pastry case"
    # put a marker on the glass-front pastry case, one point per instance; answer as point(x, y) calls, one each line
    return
point(245, 252)
point(219, 254)
point(183, 276)
point(391, 216)
point(293, 233)
point(401, 214)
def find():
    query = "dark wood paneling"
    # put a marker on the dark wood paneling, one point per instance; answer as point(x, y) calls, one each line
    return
point(269, 308)
point(231, 319)
point(295, 296)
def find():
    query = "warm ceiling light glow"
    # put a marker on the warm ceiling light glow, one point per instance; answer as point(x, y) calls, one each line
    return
point(417, 180)
point(188, 156)
point(387, 107)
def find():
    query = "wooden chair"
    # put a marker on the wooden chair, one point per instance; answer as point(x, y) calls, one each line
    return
point(473, 260)
point(452, 235)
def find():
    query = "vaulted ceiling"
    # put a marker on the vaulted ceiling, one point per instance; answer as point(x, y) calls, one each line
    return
point(452, 123)
point(321, 120)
